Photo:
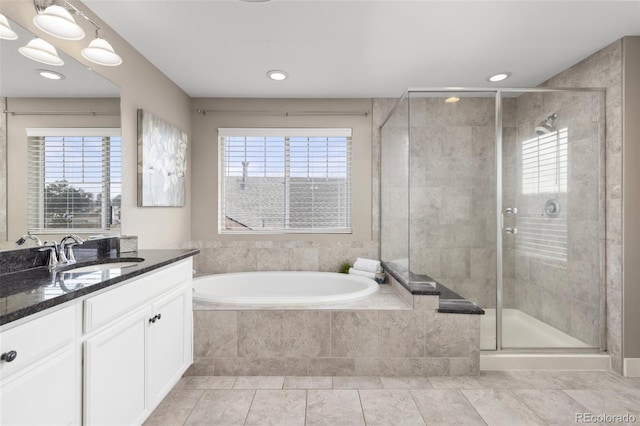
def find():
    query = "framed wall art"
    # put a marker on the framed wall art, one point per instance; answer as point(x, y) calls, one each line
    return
point(162, 162)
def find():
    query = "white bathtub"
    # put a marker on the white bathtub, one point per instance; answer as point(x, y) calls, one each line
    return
point(282, 288)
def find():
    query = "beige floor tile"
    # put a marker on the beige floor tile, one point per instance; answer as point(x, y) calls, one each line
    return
point(446, 407)
point(501, 407)
point(182, 398)
point(502, 380)
point(307, 382)
point(405, 382)
point(553, 406)
point(222, 407)
point(175, 407)
point(389, 407)
point(563, 380)
point(277, 407)
point(163, 416)
point(259, 382)
point(608, 401)
point(206, 382)
point(334, 407)
point(357, 382)
point(457, 382)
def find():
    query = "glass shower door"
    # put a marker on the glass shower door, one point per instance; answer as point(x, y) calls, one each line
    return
point(551, 235)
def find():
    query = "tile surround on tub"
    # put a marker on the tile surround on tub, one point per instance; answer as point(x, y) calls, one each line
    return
point(335, 342)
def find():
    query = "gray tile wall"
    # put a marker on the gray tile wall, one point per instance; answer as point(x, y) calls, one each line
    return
point(604, 69)
point(453, 194)
point(345, 343)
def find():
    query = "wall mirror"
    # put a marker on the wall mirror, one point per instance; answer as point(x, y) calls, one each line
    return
point(59, 148)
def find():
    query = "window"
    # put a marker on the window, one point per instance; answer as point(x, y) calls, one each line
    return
point(285, 180)
point(74, 180)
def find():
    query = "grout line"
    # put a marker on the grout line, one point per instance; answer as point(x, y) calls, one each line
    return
point(522, 401)
point(250, 405)
point(306, 403)
point(364, 418)
point(471, 404)
point(194, 407)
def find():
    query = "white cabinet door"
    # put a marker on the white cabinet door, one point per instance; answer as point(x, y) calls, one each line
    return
point(169, 352)
point(39, 373)
point(115, 373)
point(45, 393)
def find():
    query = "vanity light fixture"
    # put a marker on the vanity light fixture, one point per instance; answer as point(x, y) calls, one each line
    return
point(277, 75)
point(51, 75)
point(101, 52)
point(499, 77)
point(452, 99)
point(57, 21)
point(6, 33)
point(41, 51)
point(54, 17)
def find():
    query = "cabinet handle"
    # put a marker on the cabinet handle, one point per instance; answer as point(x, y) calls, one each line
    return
point(9, 356)
point(155, 318)
point(152, 319)
point(159, 316)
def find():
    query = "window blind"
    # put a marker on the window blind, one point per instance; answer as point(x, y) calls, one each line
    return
point(74, 180)
point(285, 180)
point(544, 163)
point(544, 171)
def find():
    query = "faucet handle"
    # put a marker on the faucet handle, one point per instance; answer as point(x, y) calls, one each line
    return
point(53, 254)
point(71, 258)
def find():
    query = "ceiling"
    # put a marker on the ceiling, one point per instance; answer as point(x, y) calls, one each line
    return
point(331, 48)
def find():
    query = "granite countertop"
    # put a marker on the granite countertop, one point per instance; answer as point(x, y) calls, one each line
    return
point(29, 291)
point(423, 285)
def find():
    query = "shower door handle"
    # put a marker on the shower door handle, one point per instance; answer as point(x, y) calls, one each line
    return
point(511, 210)
point(511, 230)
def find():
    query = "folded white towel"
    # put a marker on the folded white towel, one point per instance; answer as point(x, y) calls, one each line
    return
point(365, 274)
point(367, 265)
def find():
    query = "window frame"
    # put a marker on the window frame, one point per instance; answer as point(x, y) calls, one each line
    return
point(43, 132)
point(286, 133)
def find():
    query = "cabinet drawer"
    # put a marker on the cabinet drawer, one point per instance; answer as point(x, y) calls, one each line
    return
point(106, 307)
point(37, 338)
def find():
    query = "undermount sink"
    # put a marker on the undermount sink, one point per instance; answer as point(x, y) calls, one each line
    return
point(120, 264)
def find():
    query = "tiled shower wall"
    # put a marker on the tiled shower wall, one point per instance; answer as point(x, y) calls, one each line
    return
point(604, 69)
point(453, 194)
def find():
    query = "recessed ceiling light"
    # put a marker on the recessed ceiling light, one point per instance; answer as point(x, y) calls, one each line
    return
point(51, 75)
point(499, 77)
point(277, 75)
point(452, 99)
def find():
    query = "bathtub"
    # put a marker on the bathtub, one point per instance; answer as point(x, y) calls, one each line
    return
point(282, 288)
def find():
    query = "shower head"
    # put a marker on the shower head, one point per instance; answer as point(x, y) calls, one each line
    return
point(547, 125)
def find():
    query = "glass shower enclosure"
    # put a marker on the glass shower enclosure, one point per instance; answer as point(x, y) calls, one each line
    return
point(498, 196)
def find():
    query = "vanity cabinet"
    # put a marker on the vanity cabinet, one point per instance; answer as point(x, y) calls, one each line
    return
point(39, 371)
point(108, 358)
point(139, 343)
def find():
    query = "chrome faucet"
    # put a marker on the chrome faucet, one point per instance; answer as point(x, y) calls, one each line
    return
point(23, 239)
point(65, 254)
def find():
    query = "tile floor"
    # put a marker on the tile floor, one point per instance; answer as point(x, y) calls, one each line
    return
point(493, 398)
